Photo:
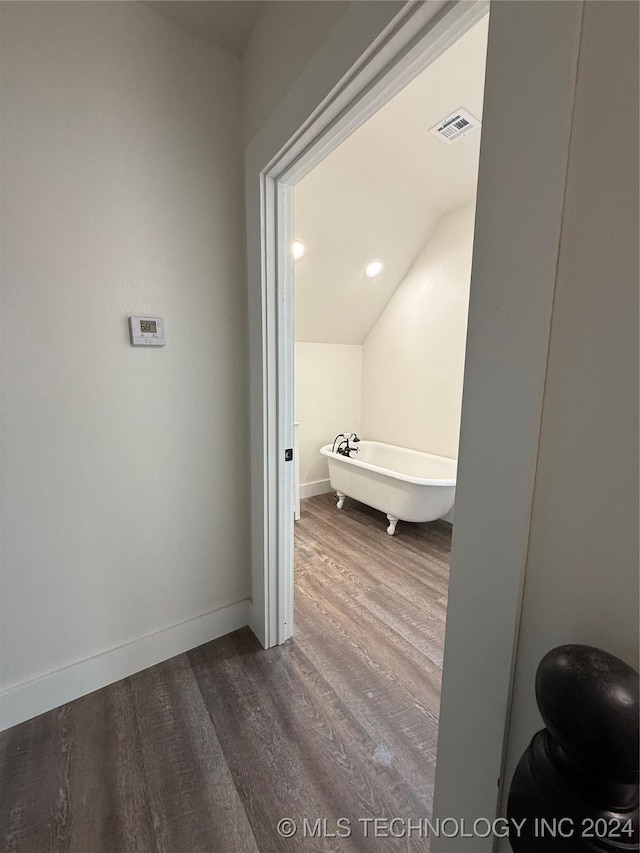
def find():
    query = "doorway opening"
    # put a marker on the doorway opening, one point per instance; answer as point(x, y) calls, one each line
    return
point(382, 244)
point(397, 61)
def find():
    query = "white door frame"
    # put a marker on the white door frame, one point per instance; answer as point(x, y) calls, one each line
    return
point(529, 94)
point(416, 41)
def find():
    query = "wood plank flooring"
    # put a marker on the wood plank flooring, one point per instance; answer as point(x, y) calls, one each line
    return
point(205, 753)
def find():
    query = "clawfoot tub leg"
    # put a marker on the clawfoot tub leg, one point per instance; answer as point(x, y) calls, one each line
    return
point(391, 529)
point(341, 496)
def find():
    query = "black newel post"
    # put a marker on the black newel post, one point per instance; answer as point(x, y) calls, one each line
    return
point(576, 786)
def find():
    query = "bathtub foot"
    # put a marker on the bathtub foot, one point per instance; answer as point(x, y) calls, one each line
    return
point(391, 529)
point(341, 496)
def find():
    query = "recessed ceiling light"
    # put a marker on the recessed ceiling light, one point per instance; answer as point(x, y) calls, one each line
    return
point(297, 249)
point(374, 268)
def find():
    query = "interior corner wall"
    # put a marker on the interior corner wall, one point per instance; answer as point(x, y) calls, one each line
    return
point(413, 358)
point(284, 36)
point(328, 393)
point(124, 471)
point(581, 583)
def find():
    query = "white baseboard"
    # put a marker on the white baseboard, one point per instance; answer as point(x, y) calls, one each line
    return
point(320, 487)
point(24, 701)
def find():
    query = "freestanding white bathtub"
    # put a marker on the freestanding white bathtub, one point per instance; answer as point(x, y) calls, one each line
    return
point(407, 485)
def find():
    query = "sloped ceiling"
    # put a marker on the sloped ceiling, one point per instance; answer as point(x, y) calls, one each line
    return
point(381, 192)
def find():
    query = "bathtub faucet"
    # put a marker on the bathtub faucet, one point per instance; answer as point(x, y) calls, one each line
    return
point(344, 448)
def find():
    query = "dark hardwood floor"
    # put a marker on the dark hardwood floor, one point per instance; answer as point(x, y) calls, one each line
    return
point(208, 751)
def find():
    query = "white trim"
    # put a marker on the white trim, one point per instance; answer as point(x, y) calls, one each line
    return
point(30, 698)
point(284, 416)
point(319, 487)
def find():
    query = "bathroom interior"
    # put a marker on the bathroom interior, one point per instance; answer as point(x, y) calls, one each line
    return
point(382, 252)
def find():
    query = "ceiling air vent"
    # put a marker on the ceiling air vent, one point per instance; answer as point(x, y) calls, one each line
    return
point(455, 126)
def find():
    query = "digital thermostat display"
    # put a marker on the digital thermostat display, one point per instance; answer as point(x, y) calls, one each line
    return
point(147, 331)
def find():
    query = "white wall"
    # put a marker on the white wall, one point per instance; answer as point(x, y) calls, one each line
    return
point(328, 395)
point(413, 358)
point(581, 581)
point(124, 481)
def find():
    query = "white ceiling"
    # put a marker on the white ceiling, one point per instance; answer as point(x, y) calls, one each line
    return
point(225, 23)
point(380, 193)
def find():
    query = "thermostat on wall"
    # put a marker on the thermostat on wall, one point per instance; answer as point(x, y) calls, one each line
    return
point(147, 331)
